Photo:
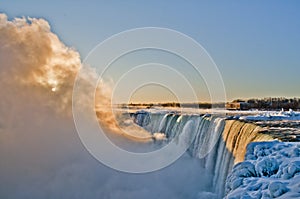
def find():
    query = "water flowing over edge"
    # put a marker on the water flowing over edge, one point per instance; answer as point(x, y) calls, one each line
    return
point(219, 143)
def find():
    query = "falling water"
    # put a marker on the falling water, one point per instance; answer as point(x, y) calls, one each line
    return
point(217, 142)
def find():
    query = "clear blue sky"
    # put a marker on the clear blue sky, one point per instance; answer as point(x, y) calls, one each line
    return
point(255, 44)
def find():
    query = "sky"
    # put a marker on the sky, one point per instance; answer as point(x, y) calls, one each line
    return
point(254, 44)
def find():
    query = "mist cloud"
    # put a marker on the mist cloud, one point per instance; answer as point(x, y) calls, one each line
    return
point(41, 155)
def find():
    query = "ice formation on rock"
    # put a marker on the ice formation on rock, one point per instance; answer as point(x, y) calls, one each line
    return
point(270, 170)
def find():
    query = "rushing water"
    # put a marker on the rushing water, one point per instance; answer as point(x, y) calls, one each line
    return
point(215, 141)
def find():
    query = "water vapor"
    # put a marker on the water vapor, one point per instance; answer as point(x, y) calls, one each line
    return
point(40, 151)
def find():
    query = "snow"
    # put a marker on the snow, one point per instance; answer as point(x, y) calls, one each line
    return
point(273, 115)
point(248, 115)
point(270, 170)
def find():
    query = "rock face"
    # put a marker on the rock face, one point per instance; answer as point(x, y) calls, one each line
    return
point(270, 170)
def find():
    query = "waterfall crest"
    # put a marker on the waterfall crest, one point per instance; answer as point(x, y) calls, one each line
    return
point(238, 135)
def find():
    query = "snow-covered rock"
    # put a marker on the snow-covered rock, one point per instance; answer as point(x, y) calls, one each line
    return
point(270, 170)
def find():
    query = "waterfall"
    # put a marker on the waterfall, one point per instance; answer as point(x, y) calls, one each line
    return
point(207, 144)
point(238, 135)
point(217, 142)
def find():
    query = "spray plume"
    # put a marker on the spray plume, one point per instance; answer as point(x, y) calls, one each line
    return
point(41, 154)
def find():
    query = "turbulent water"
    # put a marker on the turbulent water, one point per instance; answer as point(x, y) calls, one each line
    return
point(206, 144)
point(217, 142)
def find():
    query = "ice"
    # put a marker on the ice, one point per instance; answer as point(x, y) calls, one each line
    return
point(273, 115)
point(267, 167)
point(277, 189)
point(270, 170)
